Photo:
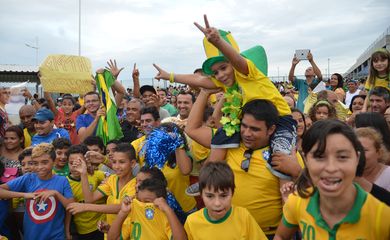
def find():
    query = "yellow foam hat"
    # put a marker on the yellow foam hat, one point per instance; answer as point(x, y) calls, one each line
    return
point(256, 54)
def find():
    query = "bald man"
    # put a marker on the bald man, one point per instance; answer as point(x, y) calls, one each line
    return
point(26, 113)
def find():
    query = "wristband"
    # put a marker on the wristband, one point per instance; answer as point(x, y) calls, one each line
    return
point(171, 77)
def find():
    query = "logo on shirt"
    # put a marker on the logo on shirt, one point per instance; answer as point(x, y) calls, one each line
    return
point(266, 154)
point(41, 212)
point(149, 212)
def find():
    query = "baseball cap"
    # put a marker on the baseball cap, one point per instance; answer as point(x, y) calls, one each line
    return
point(147, 88)
point(43, 114)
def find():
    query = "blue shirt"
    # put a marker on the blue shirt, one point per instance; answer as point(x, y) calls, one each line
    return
point(43, 220)
point(49, 138)
point(303, 88)
point(84, 120)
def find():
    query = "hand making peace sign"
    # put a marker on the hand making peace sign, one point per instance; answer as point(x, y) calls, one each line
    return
point(211, 33)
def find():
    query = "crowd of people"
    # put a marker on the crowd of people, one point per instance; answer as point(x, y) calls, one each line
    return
point(227, 154)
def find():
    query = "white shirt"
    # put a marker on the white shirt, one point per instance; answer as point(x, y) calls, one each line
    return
point(349, 96)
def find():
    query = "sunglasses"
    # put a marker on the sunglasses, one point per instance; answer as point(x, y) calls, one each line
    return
point(245, 163)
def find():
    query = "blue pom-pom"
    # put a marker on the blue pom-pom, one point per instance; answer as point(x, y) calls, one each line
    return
point(160, 144)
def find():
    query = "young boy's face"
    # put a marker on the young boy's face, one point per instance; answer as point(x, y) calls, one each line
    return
point(74, 159)
point(43, 166)
point(121, 164)
point(61, 159)
point(140, 178)
point(146, 196)
point(43, 127)
point(95, 148)
point(27, 165)
point(224, 72)
point(110, 150)
point(67, 106)
point(218, 203)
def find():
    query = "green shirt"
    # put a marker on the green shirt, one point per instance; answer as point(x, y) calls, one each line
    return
point(171, 109)
point(61, 172)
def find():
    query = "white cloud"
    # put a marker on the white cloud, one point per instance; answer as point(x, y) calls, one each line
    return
point(147, 31)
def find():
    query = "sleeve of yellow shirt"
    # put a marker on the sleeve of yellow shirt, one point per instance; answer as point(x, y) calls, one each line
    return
point(290, 209)
point(106, 187)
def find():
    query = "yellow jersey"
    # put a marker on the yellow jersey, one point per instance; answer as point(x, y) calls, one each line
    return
point(110, 189)
point(379, 82)
point(368, 218)
point(177, 182)
point(258, 189)
point(256, 85)
point(238, 223)
point(86, 222)
point(27, 138)
point(147, 222)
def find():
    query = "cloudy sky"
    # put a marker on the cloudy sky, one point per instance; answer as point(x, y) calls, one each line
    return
point(162, 32)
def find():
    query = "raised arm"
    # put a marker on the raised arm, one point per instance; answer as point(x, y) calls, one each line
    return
point(178, 232)
point(217, 113)
point(116, 226)
point(89, 196)
point(136, 85)
point(294, 63)
point(194, 128)
point(117, 87)
point(183, 161)
point(50, 102)
point(27, 94)
point(192, 80)
point(316, 70)
point(212, 34)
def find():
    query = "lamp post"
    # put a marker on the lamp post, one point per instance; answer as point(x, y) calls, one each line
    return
point(36, 47)
point(328, 68)
point(79, 27)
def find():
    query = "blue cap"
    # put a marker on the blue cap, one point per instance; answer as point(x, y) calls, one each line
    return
point(43, 114)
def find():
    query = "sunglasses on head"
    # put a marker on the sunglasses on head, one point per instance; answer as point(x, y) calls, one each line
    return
point(245, 163)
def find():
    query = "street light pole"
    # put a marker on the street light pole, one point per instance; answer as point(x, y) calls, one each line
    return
point(79, 27)
point(36, 47)
point(328, 68)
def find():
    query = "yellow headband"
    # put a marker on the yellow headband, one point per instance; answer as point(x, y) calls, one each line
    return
point(323, 102)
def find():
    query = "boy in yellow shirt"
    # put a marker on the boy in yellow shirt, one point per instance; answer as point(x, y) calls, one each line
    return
point(219, 219)
point(150, 215)
point(86, 222)
point(114, 188)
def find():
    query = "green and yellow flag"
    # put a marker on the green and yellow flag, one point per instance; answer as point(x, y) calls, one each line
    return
point(108, 127)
